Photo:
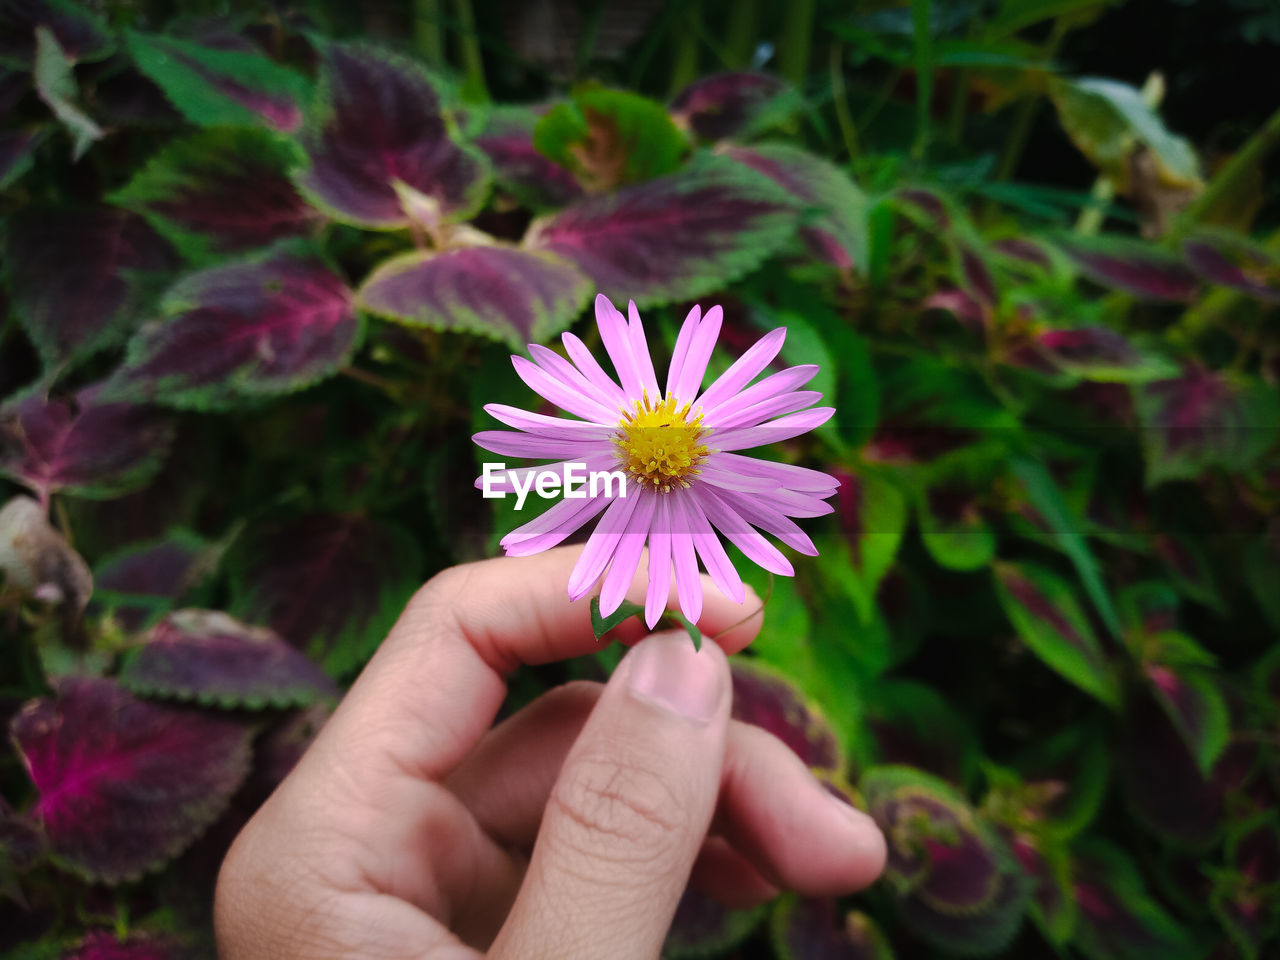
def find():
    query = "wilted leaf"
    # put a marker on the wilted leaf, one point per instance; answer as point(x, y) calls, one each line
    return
point(504, 293)
point(808, 928)
point(1043, 609)
point(78, 29)
point(957, 884)
point(82, 446)
point(378, 123)
point(253, 328)
point(214, 87)
point(609, 138)
point(37, 559)
point(702, 927)
point(208, 657)
point(767, 699)
point(507, 140)
point(221, 192)
point(1229, 261)
point(143, 581)
point(677, 237)
point(123, 784)
point(331, 585)
point(1102, 355)
point(56, 85)
point(1117, 917)
point(735, 105)
point(1204, 419)
point(78, 278)
point(835, 228)
point(1137, 268)
point(873, 514)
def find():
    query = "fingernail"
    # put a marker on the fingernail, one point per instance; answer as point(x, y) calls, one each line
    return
point(665, 670)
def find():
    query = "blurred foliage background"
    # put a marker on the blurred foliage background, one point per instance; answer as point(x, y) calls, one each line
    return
point(264, 262)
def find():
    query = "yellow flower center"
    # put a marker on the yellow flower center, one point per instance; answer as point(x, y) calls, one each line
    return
point(658, 445)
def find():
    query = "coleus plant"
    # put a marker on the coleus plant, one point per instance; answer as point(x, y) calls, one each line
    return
point(247, 353)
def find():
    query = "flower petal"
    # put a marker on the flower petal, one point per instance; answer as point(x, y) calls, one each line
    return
point(792, 504)
point(503, 480)
point(655, 597)
point(745, 369)
point(587, 365)
point(617, 342)
point(510, 444)
point(758, 413)
point(566, 398)
point(640, 352)
point(626, 559)
point(708, 472)
point(771, 386)
point(564, 371)
point(540, 425)
point(772, 432)
point(687, 330)
point(787, 474)
point(552, 527)
point(723, 573)
point(753, 544)
point(769, 520)
point(600, 546)
point(700, 349)
point(684, 561)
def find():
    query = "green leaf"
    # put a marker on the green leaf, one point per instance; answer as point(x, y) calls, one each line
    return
point(954, 532)
point(56, 85)
point(1015, 15)
point(1043, 609)
point(873, 516)
point(609, 138)
point(602, 624)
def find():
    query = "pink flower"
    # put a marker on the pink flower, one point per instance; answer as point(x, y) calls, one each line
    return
point(677, 448)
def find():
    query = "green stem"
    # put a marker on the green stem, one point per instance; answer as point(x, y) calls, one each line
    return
point(740, 37)
point(797, 41)
point(428, 37)
point(1228, 178)
point(840, 100)
point(474, 87)
point(959, 107)
point(1027, 107)
point(921, 12)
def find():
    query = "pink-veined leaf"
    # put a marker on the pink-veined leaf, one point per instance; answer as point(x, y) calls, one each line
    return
point(1140, 269)
point(812, 928)
point(1232, 262)
point(79, 278)
point(220, 192)
point(214, 660)
point(734, 105)
point(1024, 251)
point(834, 228)
point(79, 30)
point(1117, 916)
point(378, 123)
point(143, 581)
point(676, 237)
point(105, 945)
point(1197, 707)
point(214, 86)
point(1043, 609)
point(331, 585)
point(123, 784)
point(1204, 418)
point(505, 293)
point(1047, 866)
point(83, 446)
point(703, 927)
point(957, 884)
point(1100, 354)
point(765, 698)
point(266, 325)
point(536, 181)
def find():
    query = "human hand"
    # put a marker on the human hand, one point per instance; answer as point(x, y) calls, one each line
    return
point(405, 829)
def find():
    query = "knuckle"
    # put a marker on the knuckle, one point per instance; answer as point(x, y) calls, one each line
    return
point(620, 810)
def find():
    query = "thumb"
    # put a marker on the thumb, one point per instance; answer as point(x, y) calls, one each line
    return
point(629, 812)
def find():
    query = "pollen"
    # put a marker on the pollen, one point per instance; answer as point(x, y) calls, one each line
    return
point(659, 445)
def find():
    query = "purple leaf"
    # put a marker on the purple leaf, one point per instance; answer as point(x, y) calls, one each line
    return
point(677, 237)
point(331, 585)
point(80, 31)
point(535, 180)
point(1099, 354)
point(957, 883)
point(734, 105)
point(929, 209)
point(1234, 263)
point(1202, 419)
point(836, 231)
point(143, 581)
point(104, 945)
point(220, 192)
point(78, 278)
point(912, 724)
point(379, 124)
point(256, 327)
point(702, 927)
point(505, 293)
point(808, 928)
point(1117, 917)
point(1197, 708)
point(976, 276)
point(1043, 609)
point(972, 314)
point(124, 785)
point(768, 700)
point(221, 87)
point(16, 153)
point(1137, 268)
point(1045, 864)
point(82, 446)
point(208, 657)
point(1024, 251)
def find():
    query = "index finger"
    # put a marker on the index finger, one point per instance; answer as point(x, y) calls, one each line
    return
point(436, 684)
